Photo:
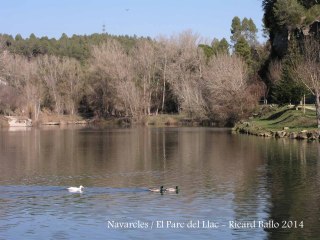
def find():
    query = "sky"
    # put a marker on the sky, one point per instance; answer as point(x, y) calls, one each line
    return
point(209, 18)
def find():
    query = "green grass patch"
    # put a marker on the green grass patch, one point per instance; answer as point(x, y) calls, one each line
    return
point(281, 117)
point(164, 119)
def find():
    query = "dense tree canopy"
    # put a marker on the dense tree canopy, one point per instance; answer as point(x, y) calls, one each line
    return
point(217, 47)
point(243, 29)
point(76, 46)
point(279, 14)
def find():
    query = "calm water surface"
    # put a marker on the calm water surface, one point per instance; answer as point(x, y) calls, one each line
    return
point(222, 178)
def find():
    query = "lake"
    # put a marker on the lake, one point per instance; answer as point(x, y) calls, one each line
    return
point(230, 186)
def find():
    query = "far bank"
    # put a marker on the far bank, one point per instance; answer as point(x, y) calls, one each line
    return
point(160, 120)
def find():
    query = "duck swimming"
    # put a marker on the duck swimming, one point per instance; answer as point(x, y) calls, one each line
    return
point(75, 189)
point(160, 190)
point(176, 189)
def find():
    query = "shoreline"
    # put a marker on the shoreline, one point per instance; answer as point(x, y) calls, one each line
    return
point(310, 135)
point(281, 122)
point(152, 120)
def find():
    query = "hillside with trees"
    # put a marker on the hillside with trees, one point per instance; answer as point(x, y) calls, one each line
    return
point(102, 76)
point(119, 76)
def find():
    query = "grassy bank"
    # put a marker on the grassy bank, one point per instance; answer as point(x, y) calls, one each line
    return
point(288, 121)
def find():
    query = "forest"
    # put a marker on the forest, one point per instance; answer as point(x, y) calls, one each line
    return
point(102, 76)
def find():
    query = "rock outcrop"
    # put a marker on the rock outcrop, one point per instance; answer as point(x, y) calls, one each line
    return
point(283, 37)
point(309, 135)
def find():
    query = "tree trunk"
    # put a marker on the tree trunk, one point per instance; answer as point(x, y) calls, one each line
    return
point(72, 109)
point(144, 97)
point(164, 84)
point(318, 108)
point(304, 104)
point(36, 109)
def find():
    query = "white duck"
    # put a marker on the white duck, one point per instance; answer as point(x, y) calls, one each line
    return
point(160, 190)
point(75, 189)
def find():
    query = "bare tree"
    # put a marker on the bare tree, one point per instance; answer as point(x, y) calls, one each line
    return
point(35, 91)
point(308, 70)
point(274, 76)
point(113, 80)
point(184, 73)
point(49, 68)
point(63, 78)
point(145, 65)
point(226, 87)
point(275, 71)
point(71, 84)
point(130, 98)
point(166, 51)
point(2, 54)
point(22, 74)
point(102, 69)
point(128, 93)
